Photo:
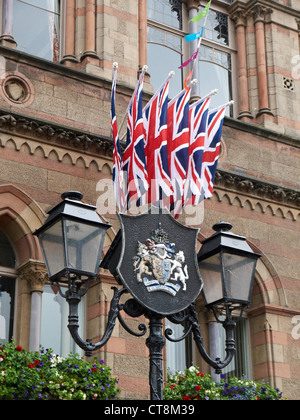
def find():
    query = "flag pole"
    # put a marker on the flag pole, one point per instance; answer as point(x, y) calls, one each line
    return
point(222, 106)
point(144, 70)
point(212, 93)
point(171, 75)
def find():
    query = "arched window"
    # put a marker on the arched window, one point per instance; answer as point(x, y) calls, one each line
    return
point(7, 288)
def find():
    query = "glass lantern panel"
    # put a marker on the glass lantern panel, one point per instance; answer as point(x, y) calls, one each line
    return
point(238, 272)
point(83, 244)
point(53, 248)
point(211, 272)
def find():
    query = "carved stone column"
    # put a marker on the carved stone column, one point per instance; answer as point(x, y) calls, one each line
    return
point(240, 19)
point(90, 30)
point(69, 56)
point(143, 57)
point(7, 39)
point(259, 13)
point(34, 272)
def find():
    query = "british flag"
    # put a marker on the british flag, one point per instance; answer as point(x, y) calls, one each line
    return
point(212, 150)
point(117, 155)
point(134, 161)
point(178, 142)
point(198, 124)
point(156, 137)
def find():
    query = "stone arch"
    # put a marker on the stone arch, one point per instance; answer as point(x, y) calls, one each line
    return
point(80, 162)
point(20, 216)
point(67, 160)
point(53, 155)
point(39, 151)
point(106, 169)
point(10, 144)
point(268, 287)
point(93, 166)
point(25, 148)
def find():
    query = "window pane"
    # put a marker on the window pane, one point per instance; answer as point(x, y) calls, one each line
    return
point(164, 56)
point(166, 12)
point(216, 27)
point(50, 5)
point(241, 364)
point(168, 61)
point(212, 76)
point(7, 256)
point(7, 301)
point(54, 330)
point(36, 30)
point(179, 355)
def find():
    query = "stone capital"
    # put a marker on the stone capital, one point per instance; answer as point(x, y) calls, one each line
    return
point(260, 13)
point(239, 17)
point(35, 273)
point(191, 4)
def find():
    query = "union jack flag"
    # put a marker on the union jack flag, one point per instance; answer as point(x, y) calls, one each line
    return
point(156, 137)
point(178, 141)
point(134, 161)
point(117, 155)
point(212, 149)
point(198, 125)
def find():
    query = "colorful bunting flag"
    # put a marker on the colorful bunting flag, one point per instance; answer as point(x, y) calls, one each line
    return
point(193, 37)
point(202, 14)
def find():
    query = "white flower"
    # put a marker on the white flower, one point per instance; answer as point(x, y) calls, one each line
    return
point(193, 369)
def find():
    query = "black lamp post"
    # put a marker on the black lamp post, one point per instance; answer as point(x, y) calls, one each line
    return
point(154, 258)
point(227, 265)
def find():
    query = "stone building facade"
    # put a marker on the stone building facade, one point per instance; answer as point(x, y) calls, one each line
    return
point(55, 137)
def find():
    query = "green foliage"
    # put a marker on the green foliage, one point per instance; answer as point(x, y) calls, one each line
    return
point(45, 376)
point(194, 385)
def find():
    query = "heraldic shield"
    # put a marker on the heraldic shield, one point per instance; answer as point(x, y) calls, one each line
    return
point(158, 262)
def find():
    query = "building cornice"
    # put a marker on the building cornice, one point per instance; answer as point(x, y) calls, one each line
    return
point(251, 4)
point(80, 141)
point(253, 187)
point(45, 131)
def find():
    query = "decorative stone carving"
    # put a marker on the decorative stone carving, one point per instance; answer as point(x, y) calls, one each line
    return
point(34, 272)
point(257, 188)
point(55, 134)
point(260, 13)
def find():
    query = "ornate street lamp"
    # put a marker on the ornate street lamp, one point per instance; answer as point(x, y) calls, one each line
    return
point(153, 257)
point(71, 231)
point(227, 265)
point(72, 242)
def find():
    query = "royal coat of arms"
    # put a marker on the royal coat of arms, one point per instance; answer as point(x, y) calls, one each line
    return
point(157, 261)
point(159, 266)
